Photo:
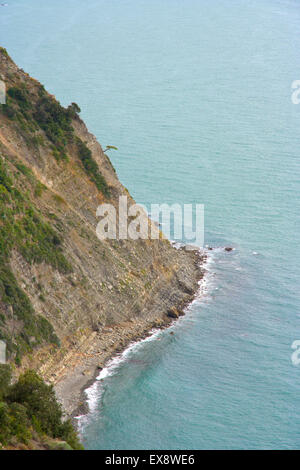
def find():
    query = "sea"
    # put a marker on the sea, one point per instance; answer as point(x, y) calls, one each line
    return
point(197, 96)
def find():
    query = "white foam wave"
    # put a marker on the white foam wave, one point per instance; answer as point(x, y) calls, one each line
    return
point(93, 393)
point(114, 363)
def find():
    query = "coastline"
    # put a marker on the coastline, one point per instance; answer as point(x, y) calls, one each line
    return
point(83, 409)
point(71, 389)
point(96, 298)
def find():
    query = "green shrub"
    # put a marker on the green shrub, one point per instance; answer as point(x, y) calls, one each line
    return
point(33, 325)
point(91, 167)
point(5, 379)
point(73, 110)
point(4, 51)
point(20, 95)
point(5, 433)
point(30, 405)
point(8, 110)
point(55, 122)
point(40, 402)
point(39, 188)
point(19, 425)
point(25, 170)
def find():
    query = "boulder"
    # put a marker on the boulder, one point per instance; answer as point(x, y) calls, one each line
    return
point(173, 313)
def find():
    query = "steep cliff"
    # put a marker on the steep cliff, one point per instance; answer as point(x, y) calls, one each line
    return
point(67, 299)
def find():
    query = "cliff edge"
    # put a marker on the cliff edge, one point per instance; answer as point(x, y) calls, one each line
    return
point(69, 301)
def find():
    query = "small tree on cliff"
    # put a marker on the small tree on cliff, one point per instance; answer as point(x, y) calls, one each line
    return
point(110, 147)
point(73, 110)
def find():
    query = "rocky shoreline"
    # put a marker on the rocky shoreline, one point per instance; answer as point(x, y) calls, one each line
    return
point(109, 343)
point(86, 298)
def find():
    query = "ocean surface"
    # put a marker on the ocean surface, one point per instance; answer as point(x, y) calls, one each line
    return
point(196, 94)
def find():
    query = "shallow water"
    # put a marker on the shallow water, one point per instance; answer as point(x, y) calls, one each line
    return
point(197, 96)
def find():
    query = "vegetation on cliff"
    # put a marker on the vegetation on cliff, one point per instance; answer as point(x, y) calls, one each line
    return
point(60, 285)
point(42, 122)
point(91, 166)
point(45, 113)
point(29, 412)
point(34, 111)
point(23, 228)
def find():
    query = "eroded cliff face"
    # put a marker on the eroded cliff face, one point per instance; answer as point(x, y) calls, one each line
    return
point(97, 295)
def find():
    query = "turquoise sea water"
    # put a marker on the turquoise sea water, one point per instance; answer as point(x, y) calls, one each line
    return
point(197, 96)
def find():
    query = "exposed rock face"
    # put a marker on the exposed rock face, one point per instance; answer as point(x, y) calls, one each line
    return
point(115, 290)
point(174, 312)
